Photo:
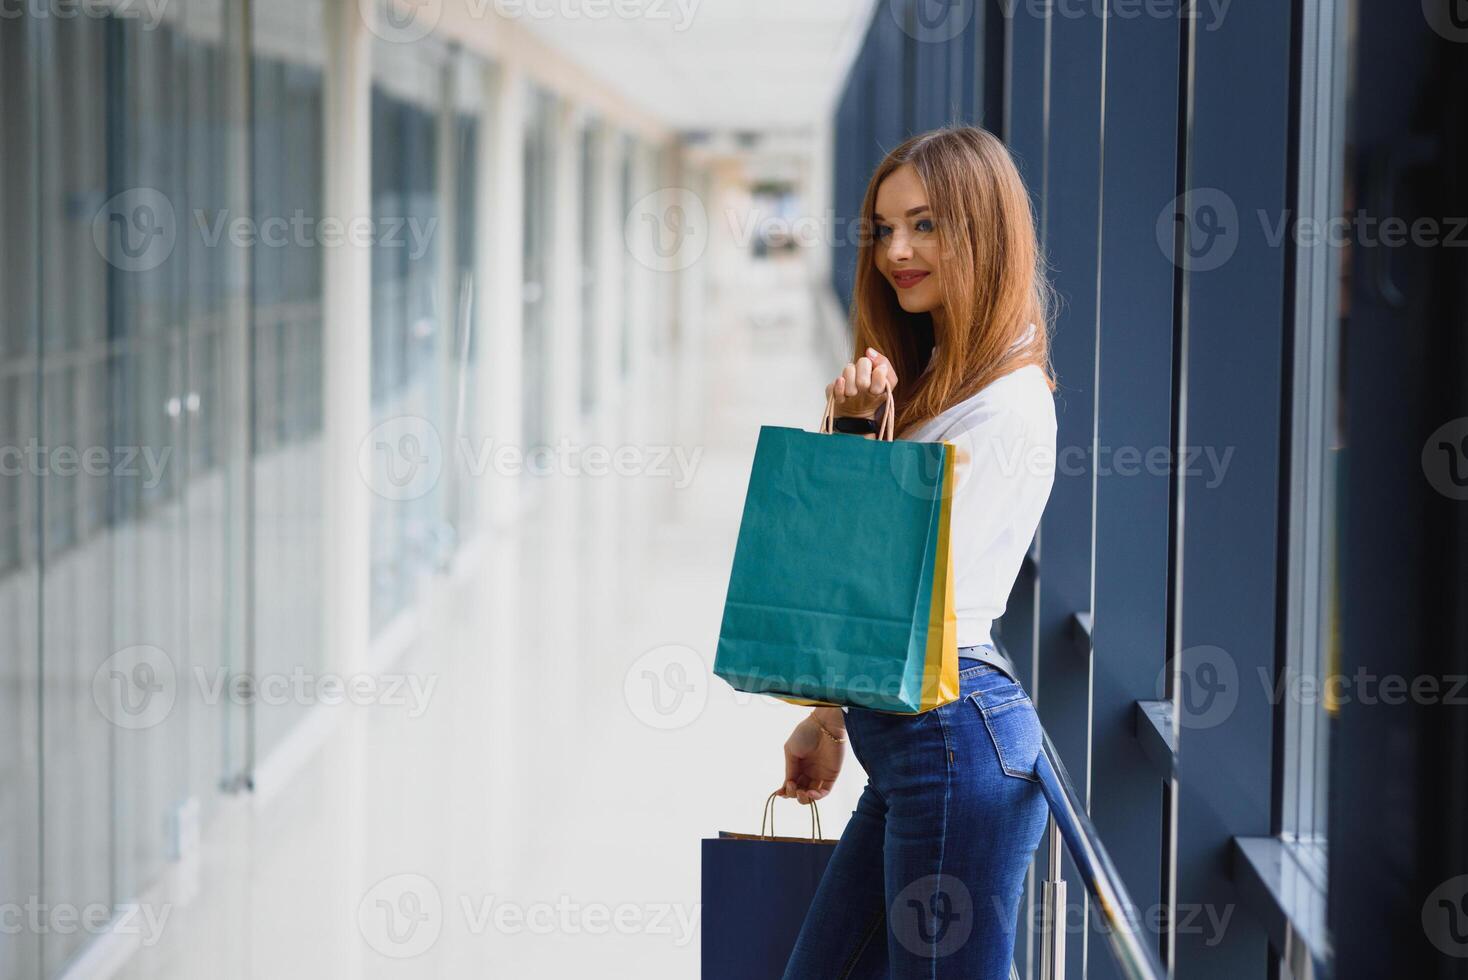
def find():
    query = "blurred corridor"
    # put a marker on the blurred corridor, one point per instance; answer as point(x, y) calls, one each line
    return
point(568, 734)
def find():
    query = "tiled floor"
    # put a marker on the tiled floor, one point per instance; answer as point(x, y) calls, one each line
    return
point(541, 816)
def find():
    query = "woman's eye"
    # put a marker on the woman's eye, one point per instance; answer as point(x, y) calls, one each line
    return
point(924, 224)
point(882, 231)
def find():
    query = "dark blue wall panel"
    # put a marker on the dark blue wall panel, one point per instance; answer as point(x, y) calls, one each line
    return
point(1133, 429)
point(1233, 388)
point(1071, 214)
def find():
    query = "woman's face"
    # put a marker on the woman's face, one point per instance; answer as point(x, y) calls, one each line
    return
point(906, 242)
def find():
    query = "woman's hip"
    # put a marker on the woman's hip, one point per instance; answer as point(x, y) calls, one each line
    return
point(977, 745)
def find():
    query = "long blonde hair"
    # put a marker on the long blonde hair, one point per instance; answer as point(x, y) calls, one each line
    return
point(993, 277)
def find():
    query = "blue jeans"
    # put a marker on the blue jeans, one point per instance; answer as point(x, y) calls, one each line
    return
point(927, 878)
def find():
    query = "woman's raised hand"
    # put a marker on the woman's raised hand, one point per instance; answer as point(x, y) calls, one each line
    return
point(862, 386)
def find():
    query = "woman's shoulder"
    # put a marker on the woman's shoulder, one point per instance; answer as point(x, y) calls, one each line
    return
point(1026, 383)
point(1022, 395)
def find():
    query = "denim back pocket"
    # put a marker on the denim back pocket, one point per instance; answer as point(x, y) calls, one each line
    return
point(1014, 728)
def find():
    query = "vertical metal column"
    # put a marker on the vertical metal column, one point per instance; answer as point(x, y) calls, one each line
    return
point(1052, 905)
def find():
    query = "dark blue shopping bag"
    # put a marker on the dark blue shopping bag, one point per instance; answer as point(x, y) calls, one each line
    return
point(756, 891)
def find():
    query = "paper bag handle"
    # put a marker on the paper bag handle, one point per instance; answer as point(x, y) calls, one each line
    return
point(889, 417)
point(769, 816)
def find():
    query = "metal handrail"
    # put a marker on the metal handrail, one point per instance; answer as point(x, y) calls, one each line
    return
point(1123, 924)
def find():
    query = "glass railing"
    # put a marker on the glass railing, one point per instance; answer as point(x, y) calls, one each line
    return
point(1119, 918)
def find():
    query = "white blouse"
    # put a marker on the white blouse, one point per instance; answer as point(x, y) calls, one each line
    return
point(1004, 442)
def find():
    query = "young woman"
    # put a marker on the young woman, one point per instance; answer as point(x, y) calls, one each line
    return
point(951, 310)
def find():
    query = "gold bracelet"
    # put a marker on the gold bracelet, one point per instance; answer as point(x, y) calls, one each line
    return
point(825, 732)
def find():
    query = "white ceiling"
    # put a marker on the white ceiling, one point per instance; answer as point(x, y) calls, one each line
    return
point(712, 64)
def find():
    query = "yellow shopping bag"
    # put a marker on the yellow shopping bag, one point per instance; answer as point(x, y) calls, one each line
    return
point(940, 672)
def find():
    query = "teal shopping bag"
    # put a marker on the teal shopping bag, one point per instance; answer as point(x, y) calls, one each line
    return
point(833, 570)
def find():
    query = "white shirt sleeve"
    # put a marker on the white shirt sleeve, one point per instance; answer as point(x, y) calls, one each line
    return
point(990, 450)
point(1003, 479)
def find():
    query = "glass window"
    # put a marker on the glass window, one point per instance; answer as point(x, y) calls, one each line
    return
point(627, 151)
point(412, 315)
point(1312, 652)
point(468, 100)
point(112, 375)
point(460, 229)
point(539, 229)
point(591, 229)
point(116, 555)
point(286, 336)
point(20, 776)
